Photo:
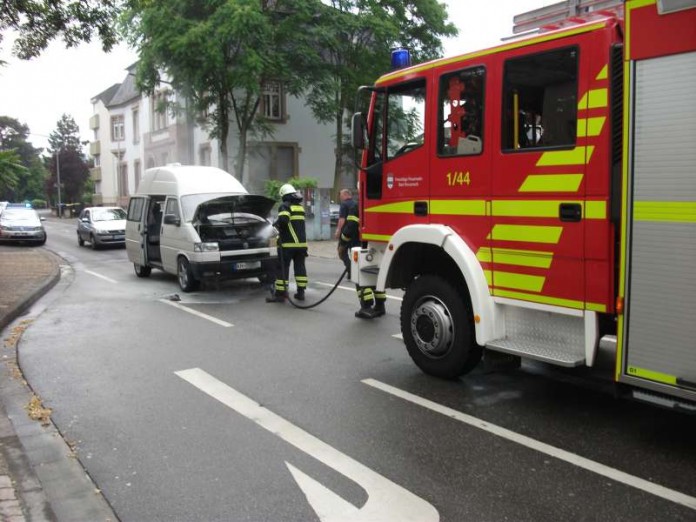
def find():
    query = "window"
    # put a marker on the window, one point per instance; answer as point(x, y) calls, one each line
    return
point(136, 125)
point(461, 113)
point(540, 100)
point(135, 209)
point(118, 131)
point(272, 101)
point(172, 207)
point(158, 109)
point(204, 152)
point(405, 119)
point(123, 179)
point(136, 172)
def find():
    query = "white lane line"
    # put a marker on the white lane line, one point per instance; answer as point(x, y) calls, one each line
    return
point(571, 458)
point(101, 276)
point(386, 500)
point(352, 289)
point(196, 313)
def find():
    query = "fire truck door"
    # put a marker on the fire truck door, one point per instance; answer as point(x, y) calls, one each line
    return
point(538, 211)
point(398, 182)
point(659, 329)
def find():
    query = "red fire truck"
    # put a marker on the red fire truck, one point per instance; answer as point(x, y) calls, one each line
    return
point(538, 199)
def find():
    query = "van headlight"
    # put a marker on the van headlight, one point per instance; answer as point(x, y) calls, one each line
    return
point(206, 247)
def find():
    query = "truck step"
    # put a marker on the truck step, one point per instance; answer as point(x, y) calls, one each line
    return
point(538, 350)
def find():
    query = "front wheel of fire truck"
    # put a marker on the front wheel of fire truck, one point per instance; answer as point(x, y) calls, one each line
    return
point(438, 329)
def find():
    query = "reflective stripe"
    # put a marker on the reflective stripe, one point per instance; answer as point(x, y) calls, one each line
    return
point(577, 156)
point(353, 218)
point(603, 73)
point(296, 218)
point(652, 375)
point(670, 211)
point(551, 183)
point(590, 126)
point(594, 99)
point(404, 207)
point(543, 299)
point(526, 233)
point(376, 237)
point(284, 213)
point(294, 245)
point(526, 282)
point(507, 256)
point(466, 207)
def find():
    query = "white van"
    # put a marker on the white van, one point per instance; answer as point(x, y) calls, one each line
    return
point(198, 223)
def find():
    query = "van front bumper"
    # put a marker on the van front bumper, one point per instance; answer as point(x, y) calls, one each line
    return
point(233, 268)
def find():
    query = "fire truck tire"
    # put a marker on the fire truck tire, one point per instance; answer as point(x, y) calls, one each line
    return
point(438, 329)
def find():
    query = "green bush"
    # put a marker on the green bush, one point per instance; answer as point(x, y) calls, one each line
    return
point(272, 186)
point(38, 203)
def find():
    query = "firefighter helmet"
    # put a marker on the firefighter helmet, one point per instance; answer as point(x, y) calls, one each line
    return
point(286, 189)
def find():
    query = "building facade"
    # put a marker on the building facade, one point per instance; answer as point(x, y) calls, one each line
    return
point(133, 132)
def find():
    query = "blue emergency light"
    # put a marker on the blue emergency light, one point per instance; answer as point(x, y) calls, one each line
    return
point(400, 58)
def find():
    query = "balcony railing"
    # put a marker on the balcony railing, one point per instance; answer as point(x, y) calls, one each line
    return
point(95, 148)
point(95, 173)
point(94, 122)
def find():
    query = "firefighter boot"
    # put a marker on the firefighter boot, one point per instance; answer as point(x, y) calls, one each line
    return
point(300, 294)
point(378, 310)
point(277, 297)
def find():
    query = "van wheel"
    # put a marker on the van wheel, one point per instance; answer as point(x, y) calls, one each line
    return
point(438, 328)
point(186, 280)
point(94, 242)
point(80, 241)
point(142, 271)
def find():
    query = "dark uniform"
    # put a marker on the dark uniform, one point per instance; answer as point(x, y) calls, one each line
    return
point(292, 248)
point(371, 301)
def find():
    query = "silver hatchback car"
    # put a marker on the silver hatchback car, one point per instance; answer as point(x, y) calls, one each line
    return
point(22, 224)
point(101, 226)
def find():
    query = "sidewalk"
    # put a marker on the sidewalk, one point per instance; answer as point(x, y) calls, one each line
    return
point(40, 480)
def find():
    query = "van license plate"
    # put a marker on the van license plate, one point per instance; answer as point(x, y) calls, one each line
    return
point(247, 266)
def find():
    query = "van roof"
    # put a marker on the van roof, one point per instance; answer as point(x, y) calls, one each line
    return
point(188, 179)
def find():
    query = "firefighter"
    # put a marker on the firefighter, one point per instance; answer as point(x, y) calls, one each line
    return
point(371, 301)
point(292, 245)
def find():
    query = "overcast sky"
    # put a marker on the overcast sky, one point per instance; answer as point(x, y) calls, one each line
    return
point(63, 81)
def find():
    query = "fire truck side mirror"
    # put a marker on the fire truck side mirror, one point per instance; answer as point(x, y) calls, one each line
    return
point(358, 131)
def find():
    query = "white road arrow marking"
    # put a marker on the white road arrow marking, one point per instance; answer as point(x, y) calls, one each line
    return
point(386, 500)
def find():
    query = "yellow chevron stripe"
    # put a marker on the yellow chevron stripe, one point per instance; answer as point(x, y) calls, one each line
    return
point(595, 210)
point(509, 256)
point(551, 183)
point(529, 283)
point(403, 207)
point(665, 211)
point(576, 156)
point(458, 207)
point(555, 301)
point(590, 126)
point(526, 233)
point(594, 99)
point(603, 73)
point(546, 209)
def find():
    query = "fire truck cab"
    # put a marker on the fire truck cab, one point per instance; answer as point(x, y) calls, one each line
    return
point(538, 198)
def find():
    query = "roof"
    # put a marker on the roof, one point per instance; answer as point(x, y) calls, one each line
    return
point(127, 92)
point(105, 96)
point(187, 179)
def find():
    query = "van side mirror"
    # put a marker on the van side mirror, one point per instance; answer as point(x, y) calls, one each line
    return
point(172, 219)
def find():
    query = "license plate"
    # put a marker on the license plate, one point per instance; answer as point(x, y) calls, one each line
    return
point(247, 266)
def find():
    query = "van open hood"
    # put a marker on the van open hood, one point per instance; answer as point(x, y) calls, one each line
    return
point(238, 204)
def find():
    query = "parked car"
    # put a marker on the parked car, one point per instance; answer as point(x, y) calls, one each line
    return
point(334, 208)
point(22, 224)
point(101, 226)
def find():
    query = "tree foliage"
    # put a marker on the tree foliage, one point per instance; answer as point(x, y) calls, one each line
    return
point(357, 37)
point(219, 53)
point(37, 22)
point(29, 181)
point(66, 157)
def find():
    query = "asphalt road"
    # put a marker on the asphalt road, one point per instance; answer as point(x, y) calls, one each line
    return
point(223, 407)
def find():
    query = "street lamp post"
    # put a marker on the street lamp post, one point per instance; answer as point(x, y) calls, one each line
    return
point(60, 213)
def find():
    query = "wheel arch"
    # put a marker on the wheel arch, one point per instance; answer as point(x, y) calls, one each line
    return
point(437, 249)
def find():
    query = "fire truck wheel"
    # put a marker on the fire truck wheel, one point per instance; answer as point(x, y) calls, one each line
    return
point(438, 329)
